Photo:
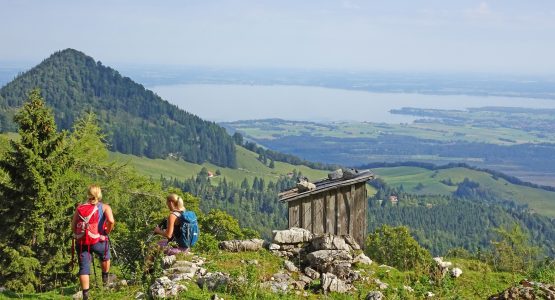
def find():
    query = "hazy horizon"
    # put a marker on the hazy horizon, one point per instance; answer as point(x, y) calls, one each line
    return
point(509, 37)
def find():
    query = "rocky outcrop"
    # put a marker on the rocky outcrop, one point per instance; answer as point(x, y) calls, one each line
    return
point(213, 281)
point(375, 295)
point(330, 283)
point(242, 245)
point(362, 259)
point(291, 236)
point(163, 287)
point(329, 242)
point(527, 290)
point(176, 271)
point(326, 257)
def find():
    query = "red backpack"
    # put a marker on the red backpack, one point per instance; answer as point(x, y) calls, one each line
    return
point(86, 232)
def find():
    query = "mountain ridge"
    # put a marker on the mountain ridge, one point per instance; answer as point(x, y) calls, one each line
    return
point(136, 120)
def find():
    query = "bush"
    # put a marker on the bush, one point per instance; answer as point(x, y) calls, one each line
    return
point(544, 272)
point(221, 225)
point(250, 233)
point(207, 242)
point(394, 246)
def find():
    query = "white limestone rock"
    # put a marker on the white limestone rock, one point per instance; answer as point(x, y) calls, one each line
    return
point(329, 241)
point(293, 235)
point(362, 259)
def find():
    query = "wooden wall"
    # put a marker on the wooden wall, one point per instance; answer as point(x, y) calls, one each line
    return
point(339, 211)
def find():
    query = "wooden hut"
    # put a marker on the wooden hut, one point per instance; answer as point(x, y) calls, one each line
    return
point(334, 206)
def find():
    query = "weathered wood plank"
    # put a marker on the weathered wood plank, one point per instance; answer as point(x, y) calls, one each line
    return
point(364, 230)
point(341, 212)
point(294, 214)
point(358, 215)
point(330, 213)
point(318, 212)
point(351, 212)
point(307, 213)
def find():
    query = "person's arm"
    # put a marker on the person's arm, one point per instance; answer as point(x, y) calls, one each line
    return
point(169, 231)
point(110, 221)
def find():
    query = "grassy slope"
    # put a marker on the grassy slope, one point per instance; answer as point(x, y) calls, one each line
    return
point(478, 281)
point(248, 167)
point(541, 201)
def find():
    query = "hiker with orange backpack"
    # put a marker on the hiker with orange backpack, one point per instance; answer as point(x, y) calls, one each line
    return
point(91, 224)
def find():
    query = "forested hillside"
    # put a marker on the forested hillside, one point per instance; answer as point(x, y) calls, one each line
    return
point(136, 120)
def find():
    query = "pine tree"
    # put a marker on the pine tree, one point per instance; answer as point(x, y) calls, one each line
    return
point(34, 218)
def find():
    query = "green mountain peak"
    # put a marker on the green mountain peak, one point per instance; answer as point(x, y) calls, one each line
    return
point(136, 120)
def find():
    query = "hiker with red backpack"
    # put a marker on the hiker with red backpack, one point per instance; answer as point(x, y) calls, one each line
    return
point(91, 224)
point(181, 227)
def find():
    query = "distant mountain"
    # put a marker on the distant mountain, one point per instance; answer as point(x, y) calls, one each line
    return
point(137, 120)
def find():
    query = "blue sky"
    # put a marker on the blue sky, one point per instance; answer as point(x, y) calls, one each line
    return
point(484, 36)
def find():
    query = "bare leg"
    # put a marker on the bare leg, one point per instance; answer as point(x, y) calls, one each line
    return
point(84, 279)
point(105, 266)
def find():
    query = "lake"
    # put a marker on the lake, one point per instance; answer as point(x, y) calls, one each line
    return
point(223, 103)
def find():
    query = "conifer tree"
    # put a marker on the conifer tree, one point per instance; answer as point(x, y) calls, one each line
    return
point(33, 218)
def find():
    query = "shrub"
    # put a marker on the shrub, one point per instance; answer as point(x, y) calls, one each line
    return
point(207, 242)
point(221, 225)
point(395, 246)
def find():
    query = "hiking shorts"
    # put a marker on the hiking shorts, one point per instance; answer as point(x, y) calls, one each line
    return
point(101, 249)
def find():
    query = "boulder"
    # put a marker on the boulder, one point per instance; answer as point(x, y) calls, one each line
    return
point(329, 241)
point(167, 261)
point(310, 272)
point(381, 285)
point(299, 285)
point(335, 175)
point(330, 283)
point(290, 266)
point(163, 287)
point(242, 245)
point(362, 259)
point(287, 247)
point(281, 277)
point(273, 247)
point(276, 287)
point(325, 257)
point(305, 185)
point(351, 242)
point(293, 235)
point(374, 295)
point(213, 281)
point(342, 269)
point(305, 278)
point(456, 272)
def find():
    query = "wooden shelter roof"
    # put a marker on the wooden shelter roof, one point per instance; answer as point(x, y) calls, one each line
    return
point(325, 185)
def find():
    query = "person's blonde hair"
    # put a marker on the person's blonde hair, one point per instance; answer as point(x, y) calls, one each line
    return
point(94, 193)
point(176, 202)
